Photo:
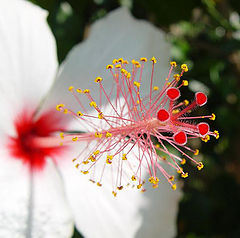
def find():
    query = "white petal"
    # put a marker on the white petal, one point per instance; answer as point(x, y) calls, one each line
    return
point(27, 58)
point(32, 208)
point(131, 214)
point(117, 35)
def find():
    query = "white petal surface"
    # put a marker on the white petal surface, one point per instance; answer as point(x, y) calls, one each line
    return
point(97, 213)
point(27, 58)
point(32, 207)
point(118, 35)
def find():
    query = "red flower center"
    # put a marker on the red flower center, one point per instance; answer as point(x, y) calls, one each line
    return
point(22, 147)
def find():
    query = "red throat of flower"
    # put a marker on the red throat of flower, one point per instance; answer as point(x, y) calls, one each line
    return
point(22, 146)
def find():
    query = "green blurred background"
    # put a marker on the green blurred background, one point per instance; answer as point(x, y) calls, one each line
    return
point(206, 35)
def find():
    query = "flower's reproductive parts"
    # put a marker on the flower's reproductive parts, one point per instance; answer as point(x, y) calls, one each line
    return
point(138, 132)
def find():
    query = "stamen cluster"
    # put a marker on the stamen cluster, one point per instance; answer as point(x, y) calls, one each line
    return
point(138, 132)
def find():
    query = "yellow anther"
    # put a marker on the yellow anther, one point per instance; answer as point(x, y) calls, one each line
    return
point(98, 135)
point(137, 84)
point(183, 161)
point(124, 157)
point(128, 75)
point(75, 138)
point(108, 134)
point(93, 159)
point(213, 117)
point(59, 107)
point(99, 184)
point(186, 102)
point(85, 162)
point(184, 67)
point(108, 161)
point(138, 65)
point(171, 178)
point(196, 152)
point(200, 165)
point(61, 135)
point(109, 66)
point(100, 115)
point(137, 102)
point(120, 187)
point(206, 138)
point(110, 157)
point(125, 62)
point(71, 88)
point(98, 80)
point(175, 111)
point(143, 59)
point(185, 83)
point(155, 88)
point(114, 193)
point(216, 133)
point(123, 71)
point(139, 186)
point(74, 159)
point(120, 60)
point(180, 170)
point(79, 90)
point(96, 152)
point(84, 171)
point(114, 61)
point(77, 165)
point(133, 61)
point(184, 175)
point(151, 179)
point(80, 114)
point(134, 178)
point(65, 111)
point(153, 59)
point(118, 66)
point(93, 104)
point(174, 187)
point(173, 63)
point(176, 77)
point(86, 91)
point(155, 185)
point(157, 146)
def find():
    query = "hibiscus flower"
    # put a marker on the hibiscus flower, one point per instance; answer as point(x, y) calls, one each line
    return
point(41, 193)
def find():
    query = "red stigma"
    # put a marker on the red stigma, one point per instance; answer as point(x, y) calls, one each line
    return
point(203, 128)
point(21, 146)
point(201, 98)
point(180, 138)
point(173, 93)
point(163, 115)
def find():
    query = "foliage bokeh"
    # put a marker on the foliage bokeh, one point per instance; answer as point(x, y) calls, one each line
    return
point(206, 35)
